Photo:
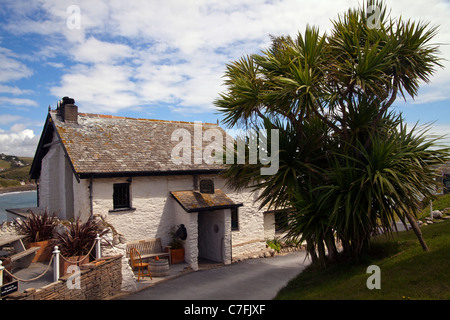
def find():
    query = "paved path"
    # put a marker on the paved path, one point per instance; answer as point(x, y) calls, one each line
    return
point(253, 279)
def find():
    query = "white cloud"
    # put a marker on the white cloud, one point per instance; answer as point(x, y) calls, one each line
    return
point(96, 51)
point(18, 101)
point(14, 90)
point(20, 142)
point(175, 51)
point(20, 127)
point(140, 53)
point(98, 88)
point(10, 68)
point(9, 118)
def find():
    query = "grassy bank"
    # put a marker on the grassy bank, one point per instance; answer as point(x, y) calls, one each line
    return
point(12, 176)
point(407, 272)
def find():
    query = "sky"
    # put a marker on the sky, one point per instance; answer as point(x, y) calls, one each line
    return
point(164, 59)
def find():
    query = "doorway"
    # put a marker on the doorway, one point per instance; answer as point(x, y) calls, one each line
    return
point(211, 235)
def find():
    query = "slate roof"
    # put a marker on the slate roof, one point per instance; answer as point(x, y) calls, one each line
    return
point(194, 201)
point(104, 144)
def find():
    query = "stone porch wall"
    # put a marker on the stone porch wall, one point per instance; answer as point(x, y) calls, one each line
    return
point(98, 281)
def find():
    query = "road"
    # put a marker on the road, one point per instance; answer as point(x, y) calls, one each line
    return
point(253, 279)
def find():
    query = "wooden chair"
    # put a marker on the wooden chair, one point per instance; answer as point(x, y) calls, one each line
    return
point(136, 262)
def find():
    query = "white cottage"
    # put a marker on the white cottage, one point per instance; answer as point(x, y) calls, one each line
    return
point(127, 171)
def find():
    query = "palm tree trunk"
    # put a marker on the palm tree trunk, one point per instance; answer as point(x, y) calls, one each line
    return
point(322, 255)
point(331, 247)
point(417, 231)
point(311, 249)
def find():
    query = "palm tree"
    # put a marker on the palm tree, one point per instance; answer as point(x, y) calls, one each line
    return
point(348, 164)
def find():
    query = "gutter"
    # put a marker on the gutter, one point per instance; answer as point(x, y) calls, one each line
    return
point(91, 198)
point(89, 175)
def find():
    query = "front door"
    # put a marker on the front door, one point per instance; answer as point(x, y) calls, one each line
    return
point(211, 235)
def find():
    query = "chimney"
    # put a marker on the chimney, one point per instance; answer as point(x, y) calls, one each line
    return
point(207, 186)
point(68, 110)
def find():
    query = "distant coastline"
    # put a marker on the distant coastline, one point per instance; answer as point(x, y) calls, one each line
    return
point(27, 187)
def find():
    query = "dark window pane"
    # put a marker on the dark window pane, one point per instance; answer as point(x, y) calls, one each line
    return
point(121, 195)
point(234, 219)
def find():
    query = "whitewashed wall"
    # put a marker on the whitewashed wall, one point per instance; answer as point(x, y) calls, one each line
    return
point(154, 213)
point(155, 209)
point(81, 203)
point(190, 221)
point(56, 183)
point(269, 226)
point(251, 235)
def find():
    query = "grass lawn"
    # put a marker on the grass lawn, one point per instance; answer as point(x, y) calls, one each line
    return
point(407, 272)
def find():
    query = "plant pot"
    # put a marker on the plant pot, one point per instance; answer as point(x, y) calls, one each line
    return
point(177, 255)
point(45, 251)
point(78, 260)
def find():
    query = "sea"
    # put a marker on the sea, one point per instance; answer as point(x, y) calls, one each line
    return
point(20, 199)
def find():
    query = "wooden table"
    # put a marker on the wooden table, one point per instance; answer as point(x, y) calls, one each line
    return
point(22, 257)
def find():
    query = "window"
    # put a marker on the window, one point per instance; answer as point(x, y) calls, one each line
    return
point(121, 196)
point(234, 219)
point(281, 220)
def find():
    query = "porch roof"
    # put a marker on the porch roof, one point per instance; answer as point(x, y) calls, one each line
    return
point(194, 201)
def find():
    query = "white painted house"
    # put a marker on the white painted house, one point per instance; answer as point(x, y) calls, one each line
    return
point(123, 169)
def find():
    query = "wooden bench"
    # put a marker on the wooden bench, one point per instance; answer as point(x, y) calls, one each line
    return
point(23, 258)
point(149, 248)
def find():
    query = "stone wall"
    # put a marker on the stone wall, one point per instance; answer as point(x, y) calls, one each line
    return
point(98, 280)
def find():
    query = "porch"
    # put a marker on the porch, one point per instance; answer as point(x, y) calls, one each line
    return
point(207, 218)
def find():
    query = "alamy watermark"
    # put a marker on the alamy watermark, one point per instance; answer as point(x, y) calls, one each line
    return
point(74, 280)
point(252, 147)
point(373, 17)
point(374, 280)
point(73, 20)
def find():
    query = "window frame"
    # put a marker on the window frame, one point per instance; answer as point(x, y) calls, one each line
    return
point(125, 199)
point(234, 212)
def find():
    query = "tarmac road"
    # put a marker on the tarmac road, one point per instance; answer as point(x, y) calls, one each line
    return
point(253, 279)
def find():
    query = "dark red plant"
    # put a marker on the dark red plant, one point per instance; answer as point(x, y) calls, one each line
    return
point(79, 238)
point(37, 227)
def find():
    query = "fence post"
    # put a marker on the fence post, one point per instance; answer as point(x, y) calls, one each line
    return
point(56, 264)
point(98, 249)
point(1, 272)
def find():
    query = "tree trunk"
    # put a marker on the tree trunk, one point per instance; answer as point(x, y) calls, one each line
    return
point(311, 248)
point(331, 247)
point(417, 231)
point(346, 247)
point(322, 255)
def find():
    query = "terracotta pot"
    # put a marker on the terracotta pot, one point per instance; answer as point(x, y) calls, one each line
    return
point(45, 251)
point(63, 264)
point(177, 255)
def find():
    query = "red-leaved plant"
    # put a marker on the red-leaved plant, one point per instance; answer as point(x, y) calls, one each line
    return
point(79, 238)
point(37, 227)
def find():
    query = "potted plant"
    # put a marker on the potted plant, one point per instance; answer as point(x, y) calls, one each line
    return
point(178, 234)
point(77, 242)
point(39, 230)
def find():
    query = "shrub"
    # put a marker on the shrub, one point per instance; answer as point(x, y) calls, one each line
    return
point(274, 244)
point(38, 227)
point(79, 238)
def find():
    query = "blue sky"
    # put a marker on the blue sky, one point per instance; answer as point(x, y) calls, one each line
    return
point(162, 59)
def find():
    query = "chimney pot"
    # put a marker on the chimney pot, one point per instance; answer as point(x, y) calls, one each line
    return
point(68, 110)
